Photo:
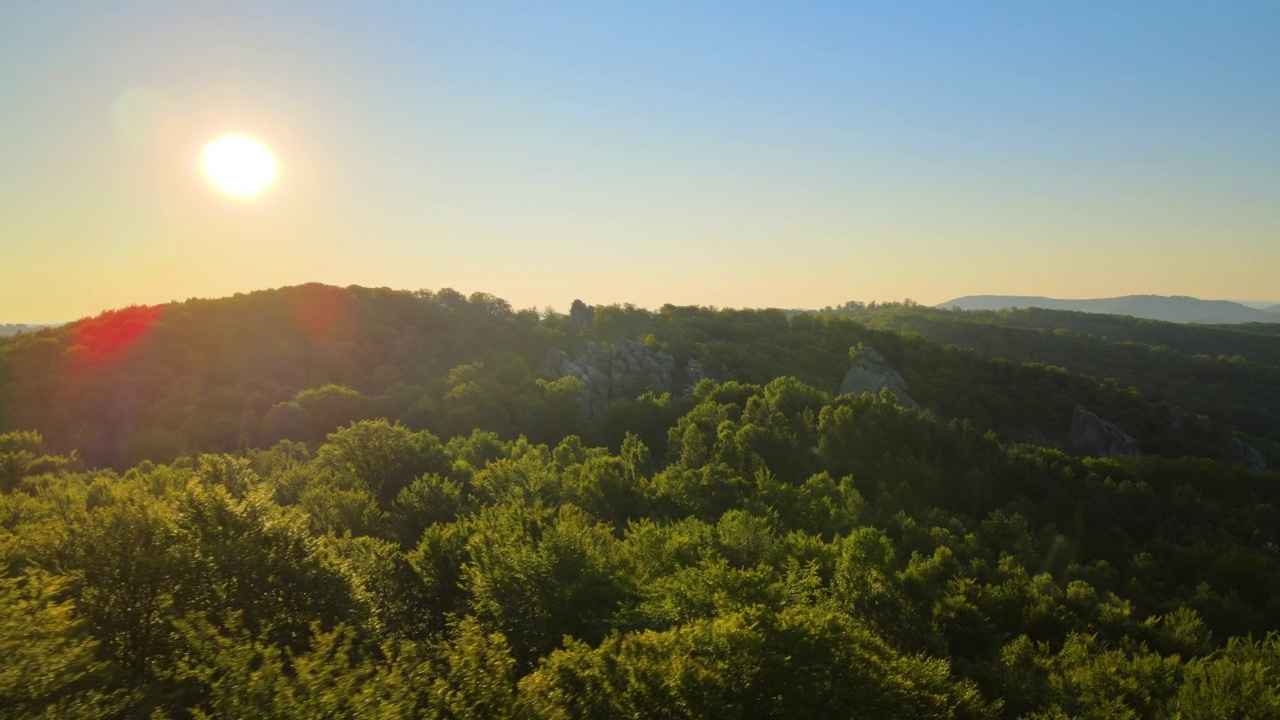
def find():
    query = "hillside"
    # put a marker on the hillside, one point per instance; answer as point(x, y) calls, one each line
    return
point(313, 501)
point(1237, 386)
point(213, 375)
point(1152, 307)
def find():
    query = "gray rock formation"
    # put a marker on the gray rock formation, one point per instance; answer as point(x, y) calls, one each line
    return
point(1094, 436)
point(871, 374)
point(1179, 419)
point(1238, 453)
point(582, 314)
point(609, 374)
point(693, 374)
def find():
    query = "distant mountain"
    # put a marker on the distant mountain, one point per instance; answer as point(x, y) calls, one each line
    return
point(1273, 309)
point(14, 328)
point(1259, 304)
point(1180, 309)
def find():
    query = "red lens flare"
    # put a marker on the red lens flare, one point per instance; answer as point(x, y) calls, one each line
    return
point(112, 333)
point(323, 312)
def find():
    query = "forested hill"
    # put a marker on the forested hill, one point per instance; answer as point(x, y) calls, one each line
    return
point(1230, 373)
point(154, 383)
point(356, 502)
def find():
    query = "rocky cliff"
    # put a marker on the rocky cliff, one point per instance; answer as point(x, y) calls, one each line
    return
point(1094, 436)
point(1238, 453)
point(608, 374)
point(871, 373)
point(694, 374)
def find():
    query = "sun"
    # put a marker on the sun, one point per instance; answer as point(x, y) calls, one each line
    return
point(240, 166)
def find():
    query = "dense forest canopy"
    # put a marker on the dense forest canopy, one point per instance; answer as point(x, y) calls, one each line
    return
point(327, 502)
point(1229, 373)
point(214, 375)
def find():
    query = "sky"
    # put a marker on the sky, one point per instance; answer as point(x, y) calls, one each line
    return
point(786, 154)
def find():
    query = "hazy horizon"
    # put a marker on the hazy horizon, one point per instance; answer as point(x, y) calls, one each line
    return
point(563, 305)
point(738, 155)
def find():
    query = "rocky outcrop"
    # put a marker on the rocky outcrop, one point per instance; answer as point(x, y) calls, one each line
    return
point(1178, 419)
point(693, 374)
point(608, 374)
point(1238, 453)
point(1094, 436)
point(582, 314)
point(871, 373)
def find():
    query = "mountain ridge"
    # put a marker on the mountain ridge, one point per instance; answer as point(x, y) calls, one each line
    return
point(1177, 308)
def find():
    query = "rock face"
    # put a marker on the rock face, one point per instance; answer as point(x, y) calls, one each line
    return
point(582, 314)
point(1238, 453)
point(871, 374)
point(608, 374)
point(1094, 436)
point(1179, 419)
point(693, 374)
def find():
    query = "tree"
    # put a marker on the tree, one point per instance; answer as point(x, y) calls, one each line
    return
point(380, 457)
point(50, 668)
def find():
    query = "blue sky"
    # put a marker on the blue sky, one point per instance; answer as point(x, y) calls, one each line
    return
point(745, 154)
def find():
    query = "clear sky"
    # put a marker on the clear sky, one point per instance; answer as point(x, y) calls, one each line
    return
point(792, 154)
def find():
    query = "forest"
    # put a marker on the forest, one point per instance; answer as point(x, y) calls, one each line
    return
point(351, 502)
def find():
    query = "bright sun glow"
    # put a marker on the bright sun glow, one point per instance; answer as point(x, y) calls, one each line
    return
point(239, 166)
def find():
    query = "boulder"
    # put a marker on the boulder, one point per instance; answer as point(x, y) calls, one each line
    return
point(1094, 436)
point(871, 373)
point(1238, 453)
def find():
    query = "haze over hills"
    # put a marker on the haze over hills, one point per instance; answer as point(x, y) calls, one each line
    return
point(7, 329)
point(1180, 309)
